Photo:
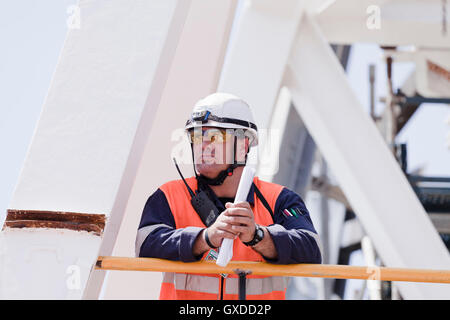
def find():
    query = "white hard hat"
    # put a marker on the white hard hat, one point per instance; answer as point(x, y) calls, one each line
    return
point(223, 110)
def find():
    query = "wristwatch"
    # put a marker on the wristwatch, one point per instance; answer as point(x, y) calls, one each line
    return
point(259, 235)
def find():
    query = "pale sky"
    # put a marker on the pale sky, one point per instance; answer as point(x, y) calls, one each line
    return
point(32, 34)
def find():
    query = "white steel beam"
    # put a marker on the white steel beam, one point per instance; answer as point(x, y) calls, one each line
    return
point(257, 56)
point(89, 140)
point(194, 74)
point(388, 23)
point(368, 173)
point(256, 60)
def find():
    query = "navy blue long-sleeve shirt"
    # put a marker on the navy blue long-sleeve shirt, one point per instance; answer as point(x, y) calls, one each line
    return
point(293, 233)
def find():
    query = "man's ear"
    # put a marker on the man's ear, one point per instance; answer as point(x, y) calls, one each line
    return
point(247, 145)
point(243, 145)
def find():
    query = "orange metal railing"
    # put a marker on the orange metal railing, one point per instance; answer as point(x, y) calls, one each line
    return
point(262, 268)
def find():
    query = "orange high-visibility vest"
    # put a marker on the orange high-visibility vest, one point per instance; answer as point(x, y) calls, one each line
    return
point(208, 286)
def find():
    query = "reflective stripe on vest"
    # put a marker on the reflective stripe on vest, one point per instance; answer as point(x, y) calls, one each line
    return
point(194, 286)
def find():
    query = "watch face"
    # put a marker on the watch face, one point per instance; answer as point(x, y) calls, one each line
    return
point(260, 233)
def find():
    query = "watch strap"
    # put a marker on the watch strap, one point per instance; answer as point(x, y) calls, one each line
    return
point(208, 242)
point(256, 238)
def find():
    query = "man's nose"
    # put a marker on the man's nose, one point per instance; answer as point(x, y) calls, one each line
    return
point(205, 144)
point(202, 148)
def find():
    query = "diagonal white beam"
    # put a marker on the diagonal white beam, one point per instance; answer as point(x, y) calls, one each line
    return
point(258, 52)
point(254, 66)
point(371, 179)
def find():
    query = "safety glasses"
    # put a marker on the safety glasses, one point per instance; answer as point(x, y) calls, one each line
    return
point(213, 135)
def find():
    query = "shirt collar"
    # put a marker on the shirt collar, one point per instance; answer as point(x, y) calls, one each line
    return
point(250, 196)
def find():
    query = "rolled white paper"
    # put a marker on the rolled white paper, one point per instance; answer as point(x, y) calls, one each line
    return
point(226, 249)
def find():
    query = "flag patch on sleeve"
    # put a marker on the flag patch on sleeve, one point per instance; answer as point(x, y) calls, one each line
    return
point(292, 212)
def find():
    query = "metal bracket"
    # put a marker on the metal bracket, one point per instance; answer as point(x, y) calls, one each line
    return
point(242, 286)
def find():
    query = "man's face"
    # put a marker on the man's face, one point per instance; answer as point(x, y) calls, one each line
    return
point(214, 149)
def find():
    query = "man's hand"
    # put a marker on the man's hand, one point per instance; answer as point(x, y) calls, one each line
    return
point(240, 217)
point(236, 221)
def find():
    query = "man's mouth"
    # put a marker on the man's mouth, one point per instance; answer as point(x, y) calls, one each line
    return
point(208, 159)
point(209, 155)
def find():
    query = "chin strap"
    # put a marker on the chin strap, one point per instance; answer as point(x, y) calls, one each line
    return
point(217, 181)
point(220, 178)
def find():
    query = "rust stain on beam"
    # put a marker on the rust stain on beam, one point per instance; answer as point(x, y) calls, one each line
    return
point(94, 223)
point(438, 70)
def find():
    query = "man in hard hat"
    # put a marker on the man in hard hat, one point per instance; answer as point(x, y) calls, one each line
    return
point(188, 219)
